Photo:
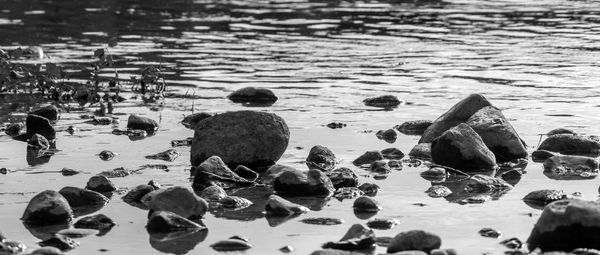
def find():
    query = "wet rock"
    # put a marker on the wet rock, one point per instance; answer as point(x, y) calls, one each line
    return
point(38, 142)
point(497, 134)
point(490, 232)
point(476, 199)
point(434, 174)
point(69, 172)
point(388, 135)
point(142, 123)
point(459, 113)
point(381, 167)
point(11, 247)
point(482, 183)
point(571, 167)
point(99, 222)
point(369, 189)
point(321, 157)
point(100, 183)
point(213, 193)
point(422, 150)
point(322, 221)
point(558, 131)
point(168, 155)
point(14, 129)
point(185, 142)
point(566, 225)
point(47, 251)
point(137, 193)
point(106, 155)
point(82, 197)
point(334, 125)
point(181, 201)
point(384, 224)
point(231, 245)
point(163, 221)
point(47, 208)
point(395, 164)
point(39, 125)
point(368, 158)
point(461, 148)
point(246, 173)
point(358, 237)
point(570, 144)
point(386, 101)
point(4, 170)
point(438, 191)
point(540, 198)
point(298, 183)
point(347, 193)
point(366, 204)
point(286, 249)
point(253, 95)
point(235, 202)
point(343, 177)
point(191, 120)
point(249, 138)
point(542, 155)
point(61, 242)
point(277, 206)
point(413, 127)
point(392, 153)
point(77, 232)
point(214, 172)
point(512, 243)
point(269, 176)
point(414, 240)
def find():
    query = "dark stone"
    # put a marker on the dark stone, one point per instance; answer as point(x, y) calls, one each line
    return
point(231, 245)
point(298, 183)
point(343, 177)
point(235, 202)
point(82, 197)
point(490, 232)
point(347, 193)
point(181, 201)
point(213, 193)
point(369, 189)
point(106, 155)
point(277, 206)
point(320, 157)
point(39, 125)
point(191, 120)
point(414, 240)
point(434, 174)
point(558, 131)
point(100, 222)
point(459, 113)
point(568, 167)
point(47, 208)
point(497, 134)
point(392, 153)
point(540, 198)
point(368, 158)
point(571, 145)
point(249, 138)
point(381, 167)
point(358, 237)
point(413, 127)
point(422, 150)
point(482, 183)
point(542, 155)
point(69, 172)
point(77, 232)
point(38, 142)
point(49, 112)
point(61, 242)
point(177, 242)
point(14, 129)
point(100, 183)
point(566, 225)
point(163, 221)
point(269, 176)
point(135, 195)
point(246, 173)
point(322, 221)
point(384, 224)
point(168, 155)
point(462, 148)
point(366, 204)
point(214, 172)
point(253, 95)
point(47, 251)
point(142, 123)
point(388, 135)
point(334, 125)
point(387, 101)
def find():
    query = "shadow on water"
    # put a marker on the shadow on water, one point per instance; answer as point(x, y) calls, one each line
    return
point(178, 242)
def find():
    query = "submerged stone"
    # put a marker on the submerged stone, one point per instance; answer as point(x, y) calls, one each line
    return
point(181, 201)
point(540, 198)
point(366, 204)
point(100, 183)
point(231, 245)
point(61, 242)
point(322, 221)
point(100, 222)
point(163, 221)
point(168, 155)
point(298, 183)
point(388, 135)
point(567, 167)
point(384, 224)
point(82, 197)
point(392, 153)
point(235, 202)
point(214, 172)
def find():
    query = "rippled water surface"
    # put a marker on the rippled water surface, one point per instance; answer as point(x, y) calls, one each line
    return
point(536, 60)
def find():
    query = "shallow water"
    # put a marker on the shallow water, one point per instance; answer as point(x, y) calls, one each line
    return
point(537, 61)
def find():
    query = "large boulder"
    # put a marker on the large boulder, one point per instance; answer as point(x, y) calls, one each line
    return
point(497, 134)
point(181, 201)
point(414, 240)
point(459, 113)
point(249, 138)
point(299, 183)
point(571, 144)
point(566, 225)
point(47, 208)
point(462, 148)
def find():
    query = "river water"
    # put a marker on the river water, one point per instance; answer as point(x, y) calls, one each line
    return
point(535, 60)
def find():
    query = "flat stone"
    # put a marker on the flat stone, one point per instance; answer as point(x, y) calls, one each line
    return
point(358, 237)
point(540, 198)
point(231, 245)
point(386, 101)
point(298, 183)
point(82, 197)
point(235, 202)
point(181, 201)
point(253, 95)
point(384, 224)
point(570, 144)
point(368, 158)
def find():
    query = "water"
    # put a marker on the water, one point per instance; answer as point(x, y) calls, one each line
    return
point(537, 61)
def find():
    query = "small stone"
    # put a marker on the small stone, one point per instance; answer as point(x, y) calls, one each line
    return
point(106, 155)
point(168, 155)
point(61, 242)
point(322, 221)
point(395, 164)
point(135, 195)
point(381, 167)
point(39, 125)
point(369, 189)
point(117, 173)
point(277, 206)
point(142, 123)
point(213, 193)
point(438, 191)
point(100, 183)
point(512, 243)
point(540, 198)
point(190, 121)
point(489, 232)
point(253, 95)
point(414, 127)
point(235, 202)
point(368, 158)
point(414, 240)
point(286, 249)
point(321, 157)
point(4, 170)
point(231, 245)
point(38, 142)
point(343, 177)
point(77, 232)
point(571, 144)
point(11, 247)
point(483, 183)
point(295, 182)
point(347, 193)
point(68, 171)
point(181, 201)
point(14, 129)
point(384, 224)
point(82, 197)
point(366, 204)
point(434, 174)
point(392, 153)
point(334, 125)
point(178, 143)
point(388, 135)
point(386, 101)
point(47, 251)
point(99, 221)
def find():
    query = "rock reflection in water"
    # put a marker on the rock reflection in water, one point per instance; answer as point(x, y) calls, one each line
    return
point(45, 232)
point(178, 242)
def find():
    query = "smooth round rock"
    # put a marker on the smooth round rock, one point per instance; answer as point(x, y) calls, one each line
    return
point(277, 206)
point(253, 95)
point(438, 191)
point(235, 202)
point(100, 183)
point(413, 127)
point(366, 204)
point(181, 201)
point(571, 144)
point(385, 101)
point(47, 208)
point(82, 197)
point(213, 193)
point(142, 123)
point(368, 158)
point(322, 157)
point(231, 245)
point(39, 125)
point(383, 223)
point(414, 240)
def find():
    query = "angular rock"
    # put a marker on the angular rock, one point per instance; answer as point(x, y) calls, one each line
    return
point(459, 113)
point(246, 173)
point(414, 240)
point(39, 125)
point(383, 223)
point(347, 193)
point(385, 101)
point(277, 206)
point(369, 189)
point(413, 127)
point(61, 242)
point(168, 155)
point(49, 112)
point(490, 232)
point(497, 134)
point(142, 123)
point(366, 204)
point(566, 225)
point(47, 208)
point(422, 150)
point(482, 183)
point(11, 247)
point(100, 183)
point(434, 174)
point(69, 172)
point(392, 153)
point(191, 120)
point(388, 135)
point(163, 221)
point(570, 144)
point(181, 201)
point(461, 148)
point(343, 177)
point(358, 237)
point(38, 142)
point(82, 197)
point(367, 158)
point(298, 183)
point(540, 198)
point(235, 202)
point(542, 155)
point(214, 172)
point(213, 193)
point(321, 157)
point(249, 138)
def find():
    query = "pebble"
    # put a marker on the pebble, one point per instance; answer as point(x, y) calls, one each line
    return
point(106, 155)
point(231, 245)
point(286, 249)
point(384, 224)
point(489, 232)
point(438, 191)
point(322, 221)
